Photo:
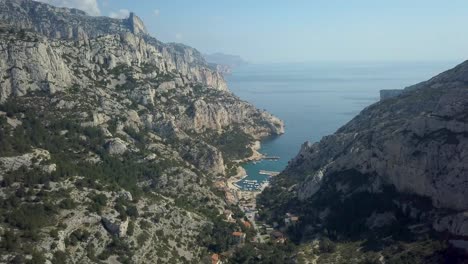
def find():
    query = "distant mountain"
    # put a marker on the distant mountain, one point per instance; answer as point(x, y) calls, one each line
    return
point(224, 63)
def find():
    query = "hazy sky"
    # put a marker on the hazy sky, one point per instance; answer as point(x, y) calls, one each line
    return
point(304, 30)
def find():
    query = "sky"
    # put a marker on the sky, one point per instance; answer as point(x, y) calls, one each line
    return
point(274, 31)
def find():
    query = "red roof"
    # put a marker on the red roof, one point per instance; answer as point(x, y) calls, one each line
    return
point(238, 234)
point(247, 224)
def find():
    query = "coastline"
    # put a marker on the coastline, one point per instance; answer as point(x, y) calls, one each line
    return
point(256, 155)
point(235, 194)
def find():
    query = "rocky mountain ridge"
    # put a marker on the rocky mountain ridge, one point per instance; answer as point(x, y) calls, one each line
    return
point(65, 23)
point(111, 140)
point(74, 25)
point(424, 151)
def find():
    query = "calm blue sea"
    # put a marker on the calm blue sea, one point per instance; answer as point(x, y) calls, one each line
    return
point(315, 99)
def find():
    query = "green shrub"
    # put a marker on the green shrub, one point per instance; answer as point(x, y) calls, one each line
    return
point(31, 217)
point(132, 211)
point(97, 202)
point(142, 238)
point(10, 241)
point(327, 246)
point(67, 203)
point(37, 258)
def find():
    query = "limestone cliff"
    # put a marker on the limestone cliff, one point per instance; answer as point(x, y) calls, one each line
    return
point(110, 141)
point(74, 25)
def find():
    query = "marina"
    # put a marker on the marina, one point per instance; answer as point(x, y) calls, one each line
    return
point(258, 174)
point(249, 184)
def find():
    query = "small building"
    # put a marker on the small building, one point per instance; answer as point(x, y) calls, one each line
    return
point(215, 259)
point(290, 219)
point(239, 237)
point(247, 224)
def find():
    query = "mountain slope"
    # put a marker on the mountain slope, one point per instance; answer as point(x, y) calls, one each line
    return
point(401, 163)
point(110, 141)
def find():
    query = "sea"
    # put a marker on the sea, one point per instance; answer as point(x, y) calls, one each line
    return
point(315, 99)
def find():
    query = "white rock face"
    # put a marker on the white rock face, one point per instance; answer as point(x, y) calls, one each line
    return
point(218, 115)
point(47, 64)
point(166, 86)
point(28, 160)
point(31, 66)
point(116, 146)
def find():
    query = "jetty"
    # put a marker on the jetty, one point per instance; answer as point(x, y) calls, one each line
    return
point(271, 158)
point(269, 173)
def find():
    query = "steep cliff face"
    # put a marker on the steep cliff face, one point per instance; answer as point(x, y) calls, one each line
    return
point(416, 142)
point(110, 140)
point(401, 162)
point(113, 60)
point(72, 24)
point(32, 62)
point(209, 114)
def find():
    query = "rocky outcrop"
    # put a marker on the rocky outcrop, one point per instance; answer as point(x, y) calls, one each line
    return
point(28, 161)
point(30, 66)
point(387, 94)
point(456, 224)
point(116, 146)
point(204, 156)
point(136, 25)
point(217, 115)
point(115, 227)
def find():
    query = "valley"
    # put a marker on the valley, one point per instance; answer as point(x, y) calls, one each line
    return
point(117, 147)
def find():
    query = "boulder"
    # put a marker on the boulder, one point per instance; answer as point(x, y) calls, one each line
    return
point(116, 146)
point(115, 226)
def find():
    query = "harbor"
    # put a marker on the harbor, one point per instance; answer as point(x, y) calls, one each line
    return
point(249, 183)
point(258, 173)
point(242, 189)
